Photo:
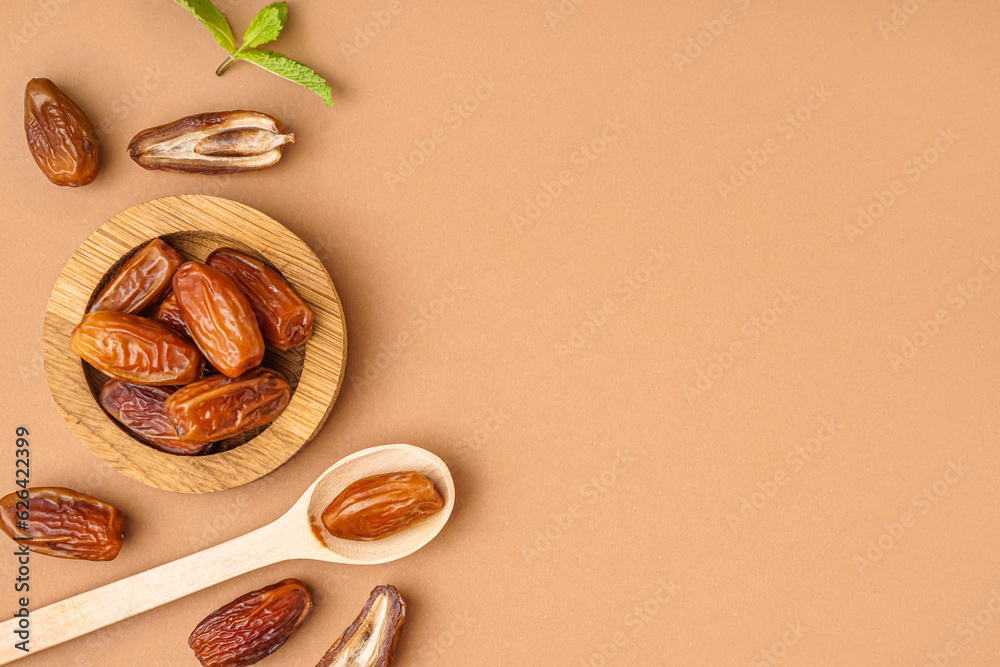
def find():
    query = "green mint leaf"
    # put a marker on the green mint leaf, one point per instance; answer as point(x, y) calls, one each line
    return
point(213, 19)
point(289, 69)
point(266, 26)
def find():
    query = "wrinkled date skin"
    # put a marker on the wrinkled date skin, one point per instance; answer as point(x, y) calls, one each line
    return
point(371, 639)
point(141, 410)
point(219, 407)
point(251, 627)
point(136, 349)
point(63, 523)
point(140, 281)
point(219, 317)
point(222, 142)
point(285, 319)
point(376, 507)
point(60, 137)
point(169, 313)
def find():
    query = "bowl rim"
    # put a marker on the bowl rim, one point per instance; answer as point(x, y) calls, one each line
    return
point(323, 369)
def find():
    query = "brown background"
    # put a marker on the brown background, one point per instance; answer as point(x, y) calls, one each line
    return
point(591, 482)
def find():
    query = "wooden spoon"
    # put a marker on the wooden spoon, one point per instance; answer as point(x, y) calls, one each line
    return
point(297, 534)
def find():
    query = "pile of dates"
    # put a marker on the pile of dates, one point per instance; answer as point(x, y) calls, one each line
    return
point(183, 342)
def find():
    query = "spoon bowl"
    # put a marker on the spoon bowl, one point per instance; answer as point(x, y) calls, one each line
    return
point(298, 534)
point(368, 462)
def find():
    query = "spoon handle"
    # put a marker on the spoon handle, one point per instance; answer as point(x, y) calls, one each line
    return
point(117, 601)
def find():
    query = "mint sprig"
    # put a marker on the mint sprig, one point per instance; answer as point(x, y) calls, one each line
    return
point(265, 27)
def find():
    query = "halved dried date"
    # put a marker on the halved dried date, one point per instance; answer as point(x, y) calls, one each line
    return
point(60, 136)
point(382, 505)
point(219, 317)
point(251, 627)
point(371, 639)
point(219, 407)
point(285, 319)
point(136, 349)
point(140, 281)
point(222, 142)
point(60, 522)
point(141, 410)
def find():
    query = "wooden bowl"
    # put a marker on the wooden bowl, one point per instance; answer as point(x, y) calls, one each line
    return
point(196, 225)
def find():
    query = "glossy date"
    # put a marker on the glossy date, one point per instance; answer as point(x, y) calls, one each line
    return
point(376, 507)
point(60, 522)
point(60, 136)
point(219, 407)
point(136, 349)
point(141, 410)
point(169, 313)
point(285, 319)
point(219, 317)
point(251, 627)
point(140, 281)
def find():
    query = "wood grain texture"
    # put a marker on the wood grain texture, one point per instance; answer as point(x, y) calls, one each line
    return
point(293, 536)
point(196, 225)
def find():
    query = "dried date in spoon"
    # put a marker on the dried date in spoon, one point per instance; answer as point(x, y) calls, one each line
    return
point(293, 536)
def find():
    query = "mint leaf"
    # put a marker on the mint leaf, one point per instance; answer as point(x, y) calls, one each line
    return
point(266, 26)
point(213, 19)
point(289, 69)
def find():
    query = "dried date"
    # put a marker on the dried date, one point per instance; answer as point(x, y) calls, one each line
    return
point(219, 407)
point(60, 136)
point(141, 410)
point(169, 313)
point(370, 641)
point(376, 507)
point(142, 280)
point(223, 142)
point(59, 522)
point(136, 349)
point(219, 317)
point(285, 319)
point(251, 627)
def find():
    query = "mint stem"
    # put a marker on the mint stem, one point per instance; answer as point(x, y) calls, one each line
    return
point(233, 57)
point(222, 68)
